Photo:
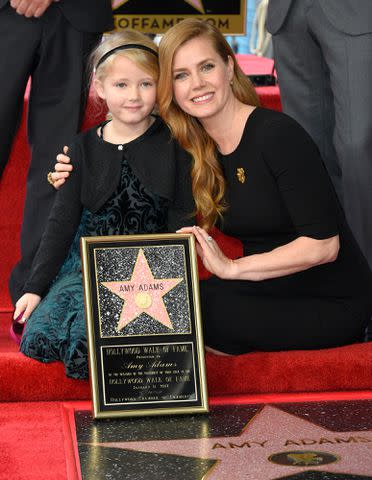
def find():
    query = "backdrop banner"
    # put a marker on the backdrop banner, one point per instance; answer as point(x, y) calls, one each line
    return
point(156, 16)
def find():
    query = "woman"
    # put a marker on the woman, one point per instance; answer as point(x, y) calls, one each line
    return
point(302, 282)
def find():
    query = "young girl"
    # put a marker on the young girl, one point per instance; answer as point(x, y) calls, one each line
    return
point(128, 178)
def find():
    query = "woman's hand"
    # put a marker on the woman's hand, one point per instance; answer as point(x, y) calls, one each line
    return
point(26, 304)
point(62, 169)
point(214, 260)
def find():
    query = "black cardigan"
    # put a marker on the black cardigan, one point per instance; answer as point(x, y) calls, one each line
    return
point(159, 163)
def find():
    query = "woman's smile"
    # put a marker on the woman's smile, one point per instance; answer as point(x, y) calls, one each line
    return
point(203, 98)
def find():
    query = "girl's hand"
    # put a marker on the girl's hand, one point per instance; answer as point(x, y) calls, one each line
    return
point(62, 169)
point(27, 304)
point(210, 253)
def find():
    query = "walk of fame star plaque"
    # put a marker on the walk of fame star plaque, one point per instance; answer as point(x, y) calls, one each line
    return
point(146, 353)
point(156, 17)
point(237, 440)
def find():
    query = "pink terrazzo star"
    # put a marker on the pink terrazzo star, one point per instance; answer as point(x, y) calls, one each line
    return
point(143, 294)
point(198, 4)
point(271, 431)
point(117, 3)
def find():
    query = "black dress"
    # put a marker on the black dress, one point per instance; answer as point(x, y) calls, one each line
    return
point(278, 190)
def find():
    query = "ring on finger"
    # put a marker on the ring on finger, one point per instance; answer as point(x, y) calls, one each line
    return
point(50, 178)
point(209, 238)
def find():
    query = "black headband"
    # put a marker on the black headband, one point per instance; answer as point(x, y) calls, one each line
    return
point(125, 47)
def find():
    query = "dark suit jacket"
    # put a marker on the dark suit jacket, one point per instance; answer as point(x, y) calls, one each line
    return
point(353, 17)
point(93, 16)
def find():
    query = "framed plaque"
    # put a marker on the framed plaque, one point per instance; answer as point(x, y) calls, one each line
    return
point(146, 352)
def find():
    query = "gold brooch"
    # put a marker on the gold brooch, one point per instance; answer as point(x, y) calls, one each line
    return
point(240, 174)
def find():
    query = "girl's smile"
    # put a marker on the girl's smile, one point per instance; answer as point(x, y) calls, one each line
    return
point(130, 94)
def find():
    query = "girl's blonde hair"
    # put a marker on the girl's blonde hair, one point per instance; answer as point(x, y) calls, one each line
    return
point(147, 61)
point(208, 182)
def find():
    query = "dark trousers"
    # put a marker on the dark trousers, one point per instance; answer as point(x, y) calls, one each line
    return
point(325, 78)
point(54, 54)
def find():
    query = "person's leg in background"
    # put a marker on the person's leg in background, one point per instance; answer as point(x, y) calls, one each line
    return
point(57, 101)
point(349, 61)
point(20, 37)
point(304, 84)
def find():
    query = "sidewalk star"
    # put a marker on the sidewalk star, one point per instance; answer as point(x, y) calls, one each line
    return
point(272, 445)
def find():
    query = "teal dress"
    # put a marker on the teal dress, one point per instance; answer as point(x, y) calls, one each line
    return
point(56, 329)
